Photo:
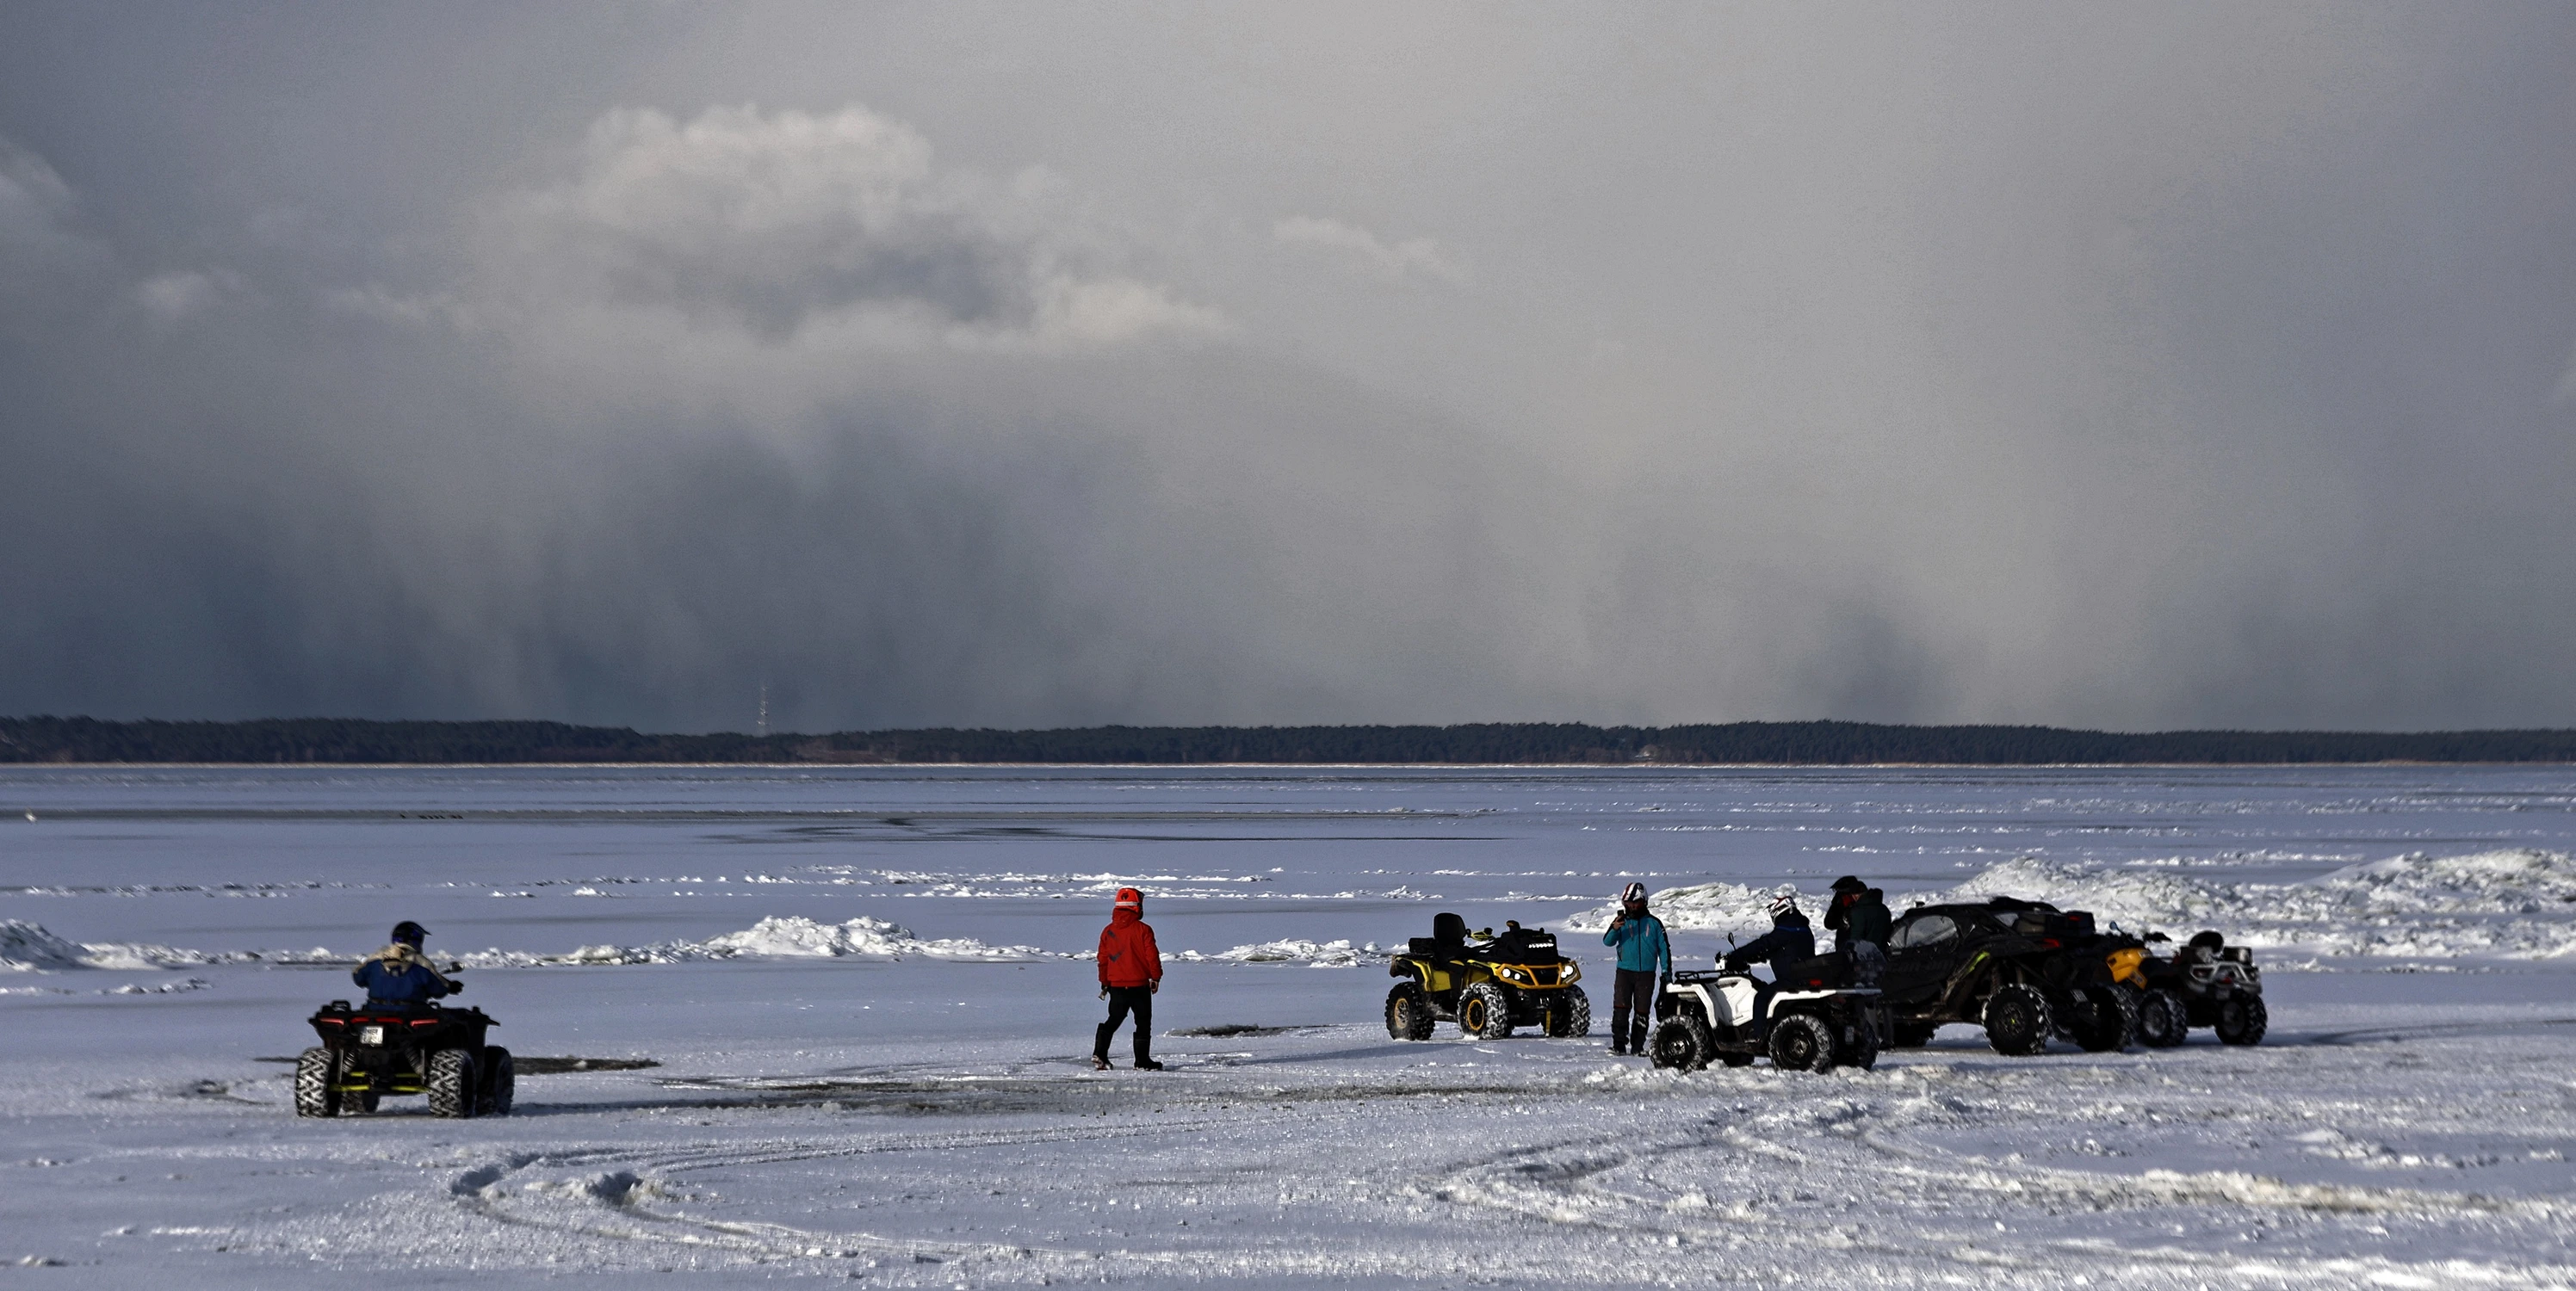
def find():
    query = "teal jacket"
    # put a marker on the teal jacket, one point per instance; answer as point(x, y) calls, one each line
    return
point(1642, 945)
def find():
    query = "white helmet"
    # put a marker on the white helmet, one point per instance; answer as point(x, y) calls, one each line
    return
point(1633, 894)
point(1785, 903)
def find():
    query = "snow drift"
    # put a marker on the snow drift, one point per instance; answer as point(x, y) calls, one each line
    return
point(1313, 954)
point(778, 937)
point(2513, 903)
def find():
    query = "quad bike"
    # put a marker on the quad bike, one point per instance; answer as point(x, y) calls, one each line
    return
point(1486, 984)
point(368, 1053)
point(2207, 983)
point(1816, 1015)
point(2024, 970)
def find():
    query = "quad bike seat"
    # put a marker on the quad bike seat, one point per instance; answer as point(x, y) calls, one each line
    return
point(1831, 971)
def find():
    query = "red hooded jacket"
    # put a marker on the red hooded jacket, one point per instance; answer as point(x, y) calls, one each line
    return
point(1128, 956)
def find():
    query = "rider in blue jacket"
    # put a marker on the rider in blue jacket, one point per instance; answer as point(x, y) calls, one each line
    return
point(1645, 963)
point(399, 974)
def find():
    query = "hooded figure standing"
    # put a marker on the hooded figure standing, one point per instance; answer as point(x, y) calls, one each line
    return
point(1645, 964)
point(1131, 970)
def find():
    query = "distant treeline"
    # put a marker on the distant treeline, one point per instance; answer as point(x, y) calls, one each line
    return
point(344, 740)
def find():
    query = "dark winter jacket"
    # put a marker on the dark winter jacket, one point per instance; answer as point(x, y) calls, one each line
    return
point(1643, 948)
point(1790, 938)
point(1128, 956)
point(398, 975)
point(1862, 918)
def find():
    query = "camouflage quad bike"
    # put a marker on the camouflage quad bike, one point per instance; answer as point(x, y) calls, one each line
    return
point(368, 1053)
point(2024, 970)
point(1487, 985)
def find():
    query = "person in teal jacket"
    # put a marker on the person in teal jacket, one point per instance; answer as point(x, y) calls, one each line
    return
point(1645, 964)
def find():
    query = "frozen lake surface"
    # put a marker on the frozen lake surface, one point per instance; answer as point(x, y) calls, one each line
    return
point(904, 1099)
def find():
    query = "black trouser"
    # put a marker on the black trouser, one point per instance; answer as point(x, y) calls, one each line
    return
point(1121, 1000)
point(1634, 993)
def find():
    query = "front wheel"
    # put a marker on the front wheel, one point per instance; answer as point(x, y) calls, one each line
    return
point(2017, 1019)
point(1802, 1042)
point(317, 1079)
point(1484, 1013)
point(1408, 1013)
point(1681, 1043)
point(1572, 1015)
point(2242, 1019)
point(2163, 1022)
point(451, 1085)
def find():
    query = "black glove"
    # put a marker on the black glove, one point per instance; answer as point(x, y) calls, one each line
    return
point(1104, 990)
point(454, 987)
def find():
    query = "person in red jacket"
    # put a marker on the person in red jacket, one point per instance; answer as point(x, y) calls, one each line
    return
point(1131, 970)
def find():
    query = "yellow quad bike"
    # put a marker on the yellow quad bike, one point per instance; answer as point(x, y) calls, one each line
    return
point(1486, 984)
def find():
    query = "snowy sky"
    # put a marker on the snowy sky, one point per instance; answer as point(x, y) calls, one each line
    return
point(936, 364)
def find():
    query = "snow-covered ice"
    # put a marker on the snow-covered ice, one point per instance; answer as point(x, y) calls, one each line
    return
point(865, 995)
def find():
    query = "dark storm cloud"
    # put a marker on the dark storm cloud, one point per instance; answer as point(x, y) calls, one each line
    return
point(2203, 366)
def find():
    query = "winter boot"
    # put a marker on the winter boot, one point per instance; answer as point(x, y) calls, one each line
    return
point(1099, 1062)
point(1148, 1064)
point(1637, 1036)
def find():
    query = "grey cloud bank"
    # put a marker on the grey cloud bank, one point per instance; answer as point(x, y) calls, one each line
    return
point(2191, 368)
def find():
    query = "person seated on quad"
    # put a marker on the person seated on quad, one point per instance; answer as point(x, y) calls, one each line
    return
point(2203, 948)
point(1791, 938)
point(399, 976)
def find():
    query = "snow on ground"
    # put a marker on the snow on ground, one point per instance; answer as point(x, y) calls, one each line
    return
point(884, 1081)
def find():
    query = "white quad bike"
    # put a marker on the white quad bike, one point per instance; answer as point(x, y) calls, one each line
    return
point(1805, 1022)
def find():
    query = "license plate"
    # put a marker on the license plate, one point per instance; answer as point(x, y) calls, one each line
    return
point(371, 1035)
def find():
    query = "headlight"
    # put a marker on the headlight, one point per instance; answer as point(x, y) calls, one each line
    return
point(1569, 971)
point(371, 1035)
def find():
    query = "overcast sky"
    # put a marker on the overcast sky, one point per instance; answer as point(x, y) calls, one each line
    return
point(2128, 366)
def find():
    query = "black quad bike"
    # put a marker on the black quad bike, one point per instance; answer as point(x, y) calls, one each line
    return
point(2207, 983)
point(1486, 984)
point(2026, 971)
point(368, 1053)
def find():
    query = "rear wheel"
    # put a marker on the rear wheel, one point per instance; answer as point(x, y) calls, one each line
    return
point(1861, 1050)
point(500, 1083)
point(1802, 1042)
point(2017, 1019)
point(2162, 1020)
point(2106, 1019)
point(2242, 1019)
point(1408, 1013)
point(1484, 1012)
point(1572, 1015)
point(316, 1072)
point(451, 1084)
point(1681, 1043)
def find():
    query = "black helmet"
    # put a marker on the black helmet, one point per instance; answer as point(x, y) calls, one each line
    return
point(409, 933)
point(1850, 883)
